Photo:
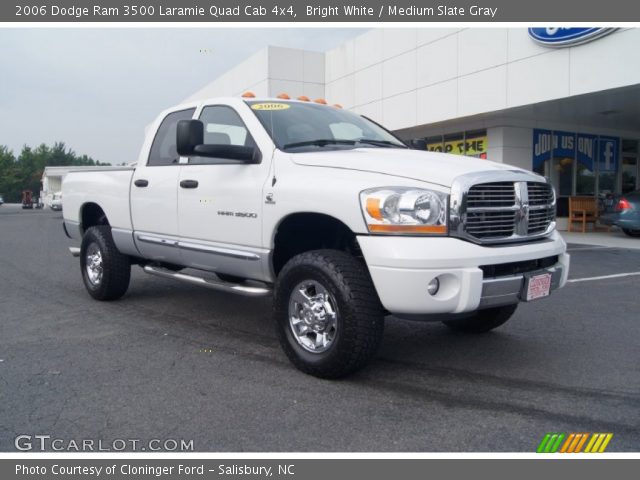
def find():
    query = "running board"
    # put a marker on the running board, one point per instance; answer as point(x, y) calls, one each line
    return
point(75, 251)
point(213, 284)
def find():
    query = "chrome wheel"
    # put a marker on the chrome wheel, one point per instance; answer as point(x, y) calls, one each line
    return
point(93, 261)
point(313, 316)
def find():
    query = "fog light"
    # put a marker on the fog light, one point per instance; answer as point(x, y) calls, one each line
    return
point(433, 287)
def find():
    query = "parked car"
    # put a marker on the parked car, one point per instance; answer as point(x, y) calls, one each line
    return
point(27, 199)
point(327, 211)
point(1, 200)
point(624, 213)
point(56, 201)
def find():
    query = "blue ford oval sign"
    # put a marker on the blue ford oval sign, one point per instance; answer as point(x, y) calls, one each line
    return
point(566, 37)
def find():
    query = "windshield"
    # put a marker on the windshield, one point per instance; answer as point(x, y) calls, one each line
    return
point(303, 127)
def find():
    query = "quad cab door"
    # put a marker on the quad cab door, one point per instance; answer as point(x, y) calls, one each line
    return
point(220, 202)
point(154, 194)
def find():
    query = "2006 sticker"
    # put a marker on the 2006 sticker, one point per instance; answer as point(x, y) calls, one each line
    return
point(269, 106)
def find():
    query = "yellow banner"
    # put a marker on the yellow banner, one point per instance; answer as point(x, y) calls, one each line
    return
point(473, 146)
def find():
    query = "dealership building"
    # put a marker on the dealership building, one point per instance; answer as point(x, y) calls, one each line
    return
point(567, 109)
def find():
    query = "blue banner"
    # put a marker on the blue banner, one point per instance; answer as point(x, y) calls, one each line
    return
point(608, 154)
point(542, 147)
point(561, 144)
point(586, 149)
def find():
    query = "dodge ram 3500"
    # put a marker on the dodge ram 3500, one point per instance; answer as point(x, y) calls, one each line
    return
point(327, 210)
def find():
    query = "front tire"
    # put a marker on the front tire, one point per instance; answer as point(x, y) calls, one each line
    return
point(105, 271)
point(328, 316)
point(483, 320)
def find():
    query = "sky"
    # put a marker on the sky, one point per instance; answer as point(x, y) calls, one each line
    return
point(96, 89)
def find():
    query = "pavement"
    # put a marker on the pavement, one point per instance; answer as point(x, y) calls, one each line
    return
point(614, 238)
point(171, 361)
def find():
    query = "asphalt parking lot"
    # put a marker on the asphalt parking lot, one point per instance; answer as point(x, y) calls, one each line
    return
point(171, 361)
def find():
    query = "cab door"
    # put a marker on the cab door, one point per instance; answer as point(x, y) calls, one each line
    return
point(154, 194)
point(220, 201)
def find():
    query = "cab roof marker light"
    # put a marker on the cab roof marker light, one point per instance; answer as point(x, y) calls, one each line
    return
point(248, 95)
point(304, 98)
point(284, 96)
point(321, 101)
point(337, 105)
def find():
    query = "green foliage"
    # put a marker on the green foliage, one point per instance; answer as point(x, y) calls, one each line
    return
point(25, 171)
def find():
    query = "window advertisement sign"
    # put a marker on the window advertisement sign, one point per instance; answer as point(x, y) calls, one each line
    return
point(542, 146)
point(608, 154)
point(586, 149)
point(471, 146)
point(562, 144)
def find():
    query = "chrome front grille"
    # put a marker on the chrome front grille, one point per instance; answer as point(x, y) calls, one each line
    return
point(505, 211)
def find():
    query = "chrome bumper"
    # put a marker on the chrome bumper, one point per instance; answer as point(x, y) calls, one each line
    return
point(507, 290)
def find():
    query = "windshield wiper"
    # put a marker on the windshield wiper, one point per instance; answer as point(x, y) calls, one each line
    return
point(380, 143)
point(320, 143)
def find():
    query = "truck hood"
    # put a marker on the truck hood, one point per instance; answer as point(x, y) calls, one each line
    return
point(431, 167)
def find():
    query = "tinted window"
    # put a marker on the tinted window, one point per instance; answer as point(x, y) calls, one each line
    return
point(295, 126)
point(223, 126)
point(163, 150)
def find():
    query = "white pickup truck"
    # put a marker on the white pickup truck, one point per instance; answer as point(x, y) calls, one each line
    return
point(327, 210)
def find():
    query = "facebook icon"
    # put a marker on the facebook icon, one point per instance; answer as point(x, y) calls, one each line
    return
point(608, 154)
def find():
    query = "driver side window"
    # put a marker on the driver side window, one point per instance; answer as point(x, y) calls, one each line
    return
point(222, 126)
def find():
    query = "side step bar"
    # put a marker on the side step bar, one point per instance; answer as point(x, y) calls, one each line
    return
point(75, 251)
point(220, 285)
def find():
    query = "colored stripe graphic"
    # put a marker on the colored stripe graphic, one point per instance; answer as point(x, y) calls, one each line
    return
point(551, 442)
point(598, 442)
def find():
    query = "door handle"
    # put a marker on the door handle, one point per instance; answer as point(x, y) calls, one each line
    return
point(141, 182)
point(189, 184)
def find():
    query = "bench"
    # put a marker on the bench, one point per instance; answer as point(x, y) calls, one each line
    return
point(583, 210)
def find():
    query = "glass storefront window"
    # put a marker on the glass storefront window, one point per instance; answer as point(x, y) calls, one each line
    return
point(471, 144)
point(585, 181)
point(629, 173)
point(629, 165)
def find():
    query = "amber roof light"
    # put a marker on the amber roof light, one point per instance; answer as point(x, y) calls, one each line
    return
point(248, 95)
point(284, 96)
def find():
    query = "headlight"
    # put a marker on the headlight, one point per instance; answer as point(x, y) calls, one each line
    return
point(405, 210)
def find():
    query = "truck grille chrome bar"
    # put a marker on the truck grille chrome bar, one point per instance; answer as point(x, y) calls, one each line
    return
point(502, 207)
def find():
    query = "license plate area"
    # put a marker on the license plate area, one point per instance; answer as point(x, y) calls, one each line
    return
point(536, 285)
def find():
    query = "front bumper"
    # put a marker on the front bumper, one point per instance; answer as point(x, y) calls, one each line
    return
point(402, 267)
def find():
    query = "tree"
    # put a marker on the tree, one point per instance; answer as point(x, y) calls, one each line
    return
point(25, 171)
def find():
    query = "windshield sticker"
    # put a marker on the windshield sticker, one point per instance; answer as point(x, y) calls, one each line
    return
point(270, 106)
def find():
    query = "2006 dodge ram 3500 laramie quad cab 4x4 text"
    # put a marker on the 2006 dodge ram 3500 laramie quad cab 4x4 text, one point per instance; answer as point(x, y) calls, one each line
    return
point(329, 211)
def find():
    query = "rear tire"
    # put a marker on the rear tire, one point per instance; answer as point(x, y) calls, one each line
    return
point(105, 271)
point(483, 320)
point(328, 316)
point(631, 233)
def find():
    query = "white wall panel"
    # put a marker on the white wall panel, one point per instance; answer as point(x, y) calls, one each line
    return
point(399, 74)
point(397, 41)
point(399, 111)
point(481, 48)
point(437, 102)
point(483, 91)
point(538, 78)
point(437, 61)
point(368, 84)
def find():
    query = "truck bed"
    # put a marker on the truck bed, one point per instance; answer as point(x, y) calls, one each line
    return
point(106, 186)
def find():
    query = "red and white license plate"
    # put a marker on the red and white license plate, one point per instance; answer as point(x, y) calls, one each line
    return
point(538, 286)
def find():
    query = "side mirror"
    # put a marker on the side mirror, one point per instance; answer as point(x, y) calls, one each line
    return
point(418, 144)
point(189, 134)
point(190, 143)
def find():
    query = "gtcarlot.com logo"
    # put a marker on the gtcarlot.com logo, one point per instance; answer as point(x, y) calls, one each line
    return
point(574, 443)
point(43, 443)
